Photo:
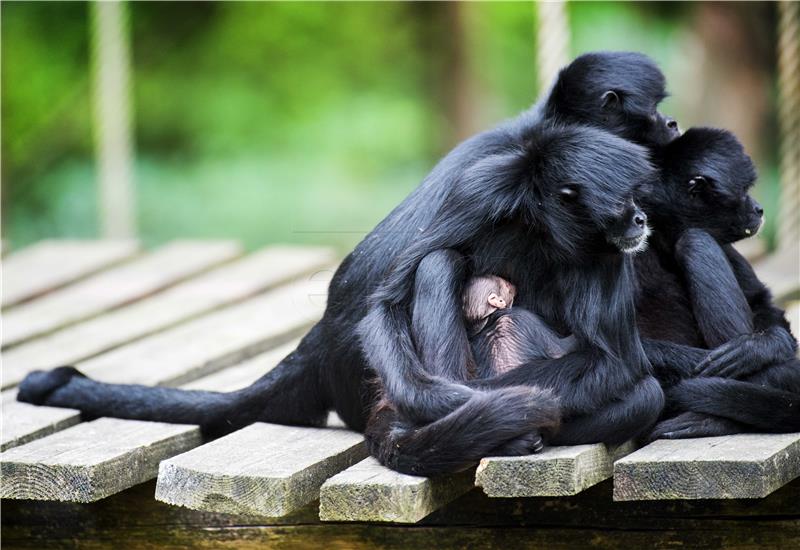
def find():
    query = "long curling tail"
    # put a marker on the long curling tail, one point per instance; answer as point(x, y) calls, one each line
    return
point(291, 393)
point(762, 408)
point(507, 421)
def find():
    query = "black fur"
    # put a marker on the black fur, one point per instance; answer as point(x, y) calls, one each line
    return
point(496, 200)
point(619, 92)
point(697, 292)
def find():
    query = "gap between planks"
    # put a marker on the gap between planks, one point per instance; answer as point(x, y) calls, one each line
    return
point(50, 265)
point(220, 287)
point(217, 340)
point(262, 323)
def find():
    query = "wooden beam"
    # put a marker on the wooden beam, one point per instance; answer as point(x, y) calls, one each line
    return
point(368, 491)
point(473, 521)
point(263, 469)
point(207, 292)
point(49, 265)
point(734, 466)
point(92, 460)
point(114, 288)
point(556, 471)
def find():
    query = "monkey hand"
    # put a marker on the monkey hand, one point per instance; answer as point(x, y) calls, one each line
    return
point(38, 385)
point(690, 425)
point(748, 354)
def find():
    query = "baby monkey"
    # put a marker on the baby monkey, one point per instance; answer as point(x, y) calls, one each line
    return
point(503, 337)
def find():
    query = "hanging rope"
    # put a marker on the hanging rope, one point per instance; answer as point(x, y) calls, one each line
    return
point(789, 120)
point(112, 129)
point(552, 41)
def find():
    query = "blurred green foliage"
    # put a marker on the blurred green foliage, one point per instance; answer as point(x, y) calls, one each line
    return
point(271, 122)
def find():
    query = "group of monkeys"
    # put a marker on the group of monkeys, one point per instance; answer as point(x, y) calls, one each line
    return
point(565, 278)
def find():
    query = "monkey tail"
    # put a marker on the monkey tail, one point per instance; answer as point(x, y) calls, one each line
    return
point(762, 408)
point(291, 393)
point(506, 421)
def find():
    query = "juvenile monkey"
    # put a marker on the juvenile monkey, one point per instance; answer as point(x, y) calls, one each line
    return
point(503, 337)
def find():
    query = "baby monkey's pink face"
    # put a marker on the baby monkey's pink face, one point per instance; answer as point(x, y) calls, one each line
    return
point(486, 294)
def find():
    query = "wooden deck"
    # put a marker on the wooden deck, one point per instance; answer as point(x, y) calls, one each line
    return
point(206, 315)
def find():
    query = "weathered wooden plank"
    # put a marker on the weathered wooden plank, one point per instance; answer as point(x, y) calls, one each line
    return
point(110, 289)
point(245, 373)
point(49, 265)
point(735, 466)
point(23, 422)
point(202, 346)
point(91, 460)
point(263, 469)
point(556, 471)
point(210, 343)
point(222, 286)
point(780, 271)
point(368, 491)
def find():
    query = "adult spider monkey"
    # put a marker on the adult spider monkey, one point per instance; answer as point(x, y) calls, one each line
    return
point(506, 209)
point(697, 291)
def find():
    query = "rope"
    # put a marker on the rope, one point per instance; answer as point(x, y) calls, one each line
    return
point(789, 119)
point(112, 127)
point(552, 41)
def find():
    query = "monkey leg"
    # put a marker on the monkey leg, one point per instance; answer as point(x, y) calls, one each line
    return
point(762, 408)
point(618, 421)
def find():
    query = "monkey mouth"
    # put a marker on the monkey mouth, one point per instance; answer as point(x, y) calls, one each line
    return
point(631, 245)
point(753, 229)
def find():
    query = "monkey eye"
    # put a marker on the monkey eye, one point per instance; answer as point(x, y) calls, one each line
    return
point(568, 193)
point(697, 185)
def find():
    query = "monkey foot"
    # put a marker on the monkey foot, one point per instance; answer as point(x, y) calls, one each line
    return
point(37, 386)
point(527, 444)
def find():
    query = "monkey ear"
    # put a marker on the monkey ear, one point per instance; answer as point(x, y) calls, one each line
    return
point(568, 193)
point(611, 101)
point(697, 184)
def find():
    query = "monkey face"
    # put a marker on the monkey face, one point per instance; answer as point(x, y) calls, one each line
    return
point(617, 91)
point(706, 183)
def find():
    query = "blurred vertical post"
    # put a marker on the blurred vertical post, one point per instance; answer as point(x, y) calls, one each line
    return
point(789, 115)
point(112, 127)
point(552, 40)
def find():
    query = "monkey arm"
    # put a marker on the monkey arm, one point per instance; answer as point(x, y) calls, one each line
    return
point(387, 338)
point(718, 303)
point(721, 303)
point(767, 317)
point(437, 323)
point(672, 362)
